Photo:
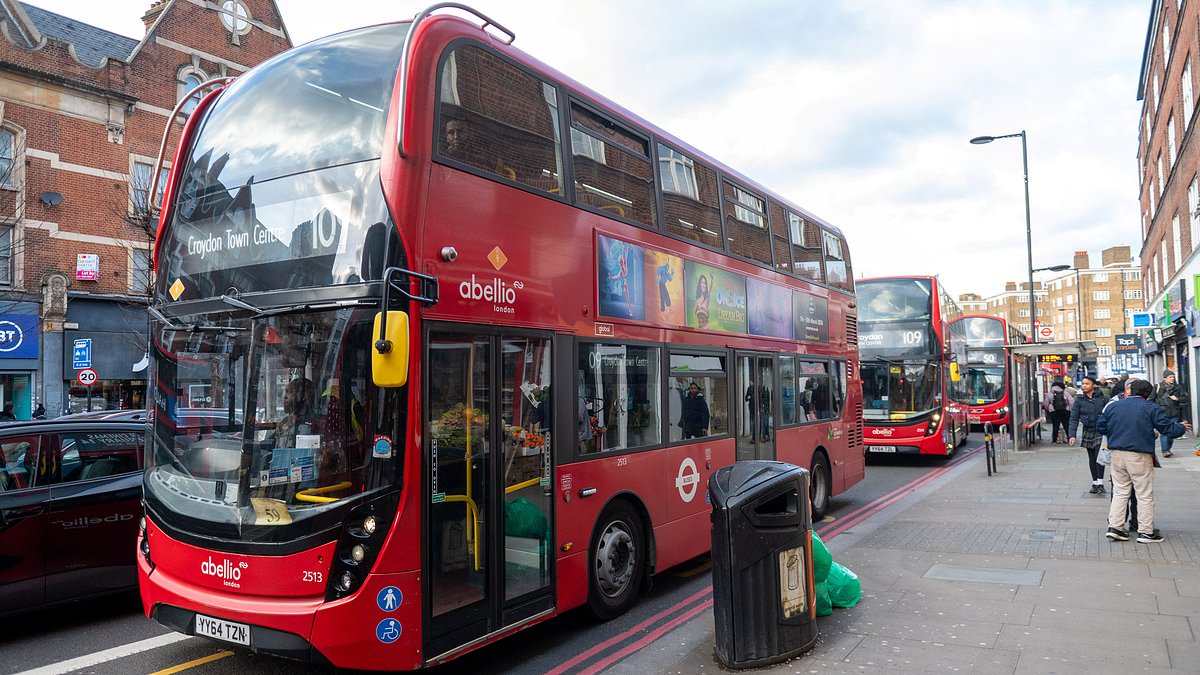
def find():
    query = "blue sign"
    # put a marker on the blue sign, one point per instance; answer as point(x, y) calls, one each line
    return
point(389, 599)
point(1143, 320)
point(18, 336)
point(81, 356)
point(388, 631)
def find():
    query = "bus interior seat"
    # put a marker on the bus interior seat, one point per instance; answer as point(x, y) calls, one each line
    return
point(108, 466)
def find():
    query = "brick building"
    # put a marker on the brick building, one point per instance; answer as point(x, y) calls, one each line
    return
point(82, 112)
point(1084, 303)
point(1168, 160)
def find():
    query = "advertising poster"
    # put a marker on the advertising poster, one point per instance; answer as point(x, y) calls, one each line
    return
point(715, 299)
point(620, 278)
point(810, 315)
point(664, 295)
point(770, 311)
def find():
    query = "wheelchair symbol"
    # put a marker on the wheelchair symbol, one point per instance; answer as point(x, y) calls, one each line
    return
point(388, 631)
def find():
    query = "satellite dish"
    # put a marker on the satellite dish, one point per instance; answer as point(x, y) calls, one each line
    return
point(51, 198)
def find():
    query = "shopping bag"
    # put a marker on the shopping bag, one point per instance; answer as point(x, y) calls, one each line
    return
point(1104, 457)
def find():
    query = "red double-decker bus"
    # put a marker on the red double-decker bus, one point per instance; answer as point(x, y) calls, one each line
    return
point(993, 374)
point(912, 353)
point(478, 337)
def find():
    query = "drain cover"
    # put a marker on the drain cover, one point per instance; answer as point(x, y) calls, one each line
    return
point(1042, 534)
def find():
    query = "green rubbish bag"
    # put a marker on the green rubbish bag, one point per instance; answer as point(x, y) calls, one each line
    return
point(822, 559)
point(824, 604)
point(522, 518)
point(844, 587)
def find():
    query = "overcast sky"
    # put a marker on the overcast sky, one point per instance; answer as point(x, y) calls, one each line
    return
point(858, 111)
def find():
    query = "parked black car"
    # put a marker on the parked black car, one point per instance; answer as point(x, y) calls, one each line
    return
point(70, 501)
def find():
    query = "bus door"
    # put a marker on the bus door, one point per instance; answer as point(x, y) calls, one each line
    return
point(756, 418)
point(487, 484)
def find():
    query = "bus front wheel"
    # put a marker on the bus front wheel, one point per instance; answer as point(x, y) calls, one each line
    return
point(617, 560)
point(819, 486)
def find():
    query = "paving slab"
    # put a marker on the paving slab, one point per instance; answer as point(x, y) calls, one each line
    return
point(930, 656)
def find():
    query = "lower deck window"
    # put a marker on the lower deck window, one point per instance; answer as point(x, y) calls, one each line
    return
point(619, 404)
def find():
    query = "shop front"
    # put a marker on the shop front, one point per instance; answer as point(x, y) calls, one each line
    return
point(109, 337)
point(19, 350)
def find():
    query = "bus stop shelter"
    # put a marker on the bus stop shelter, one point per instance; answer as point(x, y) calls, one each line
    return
point(1031, 384)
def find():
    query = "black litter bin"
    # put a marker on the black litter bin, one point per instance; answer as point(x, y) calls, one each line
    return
point(762, 563)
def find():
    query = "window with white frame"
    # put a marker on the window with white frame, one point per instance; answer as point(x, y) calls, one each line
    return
point(188, 78)
point(1100, 278)
point(1155, 91)
point(1147, 136)
point(8, 164)
point(1070, 299)
point(140, 276)
point(1163, 263)
point(1132, 275)
point(139, 186)
point(1070, 335)
point(1104, 350)
point(1101, 314)
point(1023, 313)
point(1100, 295)
point(1171, 141)
point(1133, 294)
point(1166, 37)
point(1040, 311)
point(1176, 243)
point(1193, 218)
point(1186, 88)
point(1160, 175)
point(1129, 313)
point(6, 255)
point(1152, 201)
point(1058, 319)
point(1103, 332)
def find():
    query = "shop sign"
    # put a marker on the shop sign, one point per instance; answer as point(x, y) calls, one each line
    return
point(1165, 317)
point(1144, 319)
point(87, 267)
point(1177, 300)
point(18, 336)
point(1127, 343)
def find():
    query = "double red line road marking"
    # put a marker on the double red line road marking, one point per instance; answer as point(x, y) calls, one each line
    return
point(702, 600)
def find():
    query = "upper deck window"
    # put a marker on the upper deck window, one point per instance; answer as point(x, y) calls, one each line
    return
point(690, 197)
point(499, 119)
point(806, 248)
point(746, 220)
point(894, 300)
point(612, 167)
point(837, 262)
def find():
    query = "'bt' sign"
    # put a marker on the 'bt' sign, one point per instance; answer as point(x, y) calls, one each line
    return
point(18, 336)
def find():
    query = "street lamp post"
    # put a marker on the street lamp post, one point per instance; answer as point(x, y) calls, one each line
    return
point(981, 140)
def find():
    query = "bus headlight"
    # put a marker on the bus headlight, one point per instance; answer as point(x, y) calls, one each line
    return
point(369, 525)
point(360, 543)
point(345, 581)
point(358, 553)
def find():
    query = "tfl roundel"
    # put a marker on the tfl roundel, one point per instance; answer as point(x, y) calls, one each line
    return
point(87, 377)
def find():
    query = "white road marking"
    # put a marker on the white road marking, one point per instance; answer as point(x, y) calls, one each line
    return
point(107, 655)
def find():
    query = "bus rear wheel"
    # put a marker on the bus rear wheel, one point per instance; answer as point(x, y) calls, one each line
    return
point(819, 486)
point(617, 561)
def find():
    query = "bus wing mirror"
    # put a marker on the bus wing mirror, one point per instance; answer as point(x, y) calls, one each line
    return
point(389, 353)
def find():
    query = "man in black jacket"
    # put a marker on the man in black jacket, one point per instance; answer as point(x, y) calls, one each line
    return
point(1089, 403)
point(694, 418)
point(1175, 403)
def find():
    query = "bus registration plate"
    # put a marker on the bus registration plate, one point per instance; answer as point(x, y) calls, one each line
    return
point(223, 630)
point(882, 448)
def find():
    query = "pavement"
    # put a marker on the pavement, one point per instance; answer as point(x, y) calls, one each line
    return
point(1003, 574)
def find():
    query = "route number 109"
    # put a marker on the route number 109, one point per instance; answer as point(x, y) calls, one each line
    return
point(911, 337)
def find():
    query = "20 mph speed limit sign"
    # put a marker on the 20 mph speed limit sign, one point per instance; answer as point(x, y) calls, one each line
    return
point(87, 377)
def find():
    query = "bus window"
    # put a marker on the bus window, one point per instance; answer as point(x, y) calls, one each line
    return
point(698, 399)
point(746, 217)
point(812, 387)
point(619, 392)
point(779, 240)
point(689, 198)
point(787, 387)
point(806, 248)
point(837, 266)
point(498, 119)
point(838, 370)
point(612, 168)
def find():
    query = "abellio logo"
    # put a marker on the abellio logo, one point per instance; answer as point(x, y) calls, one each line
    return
point(229, 573)
point(502, 295)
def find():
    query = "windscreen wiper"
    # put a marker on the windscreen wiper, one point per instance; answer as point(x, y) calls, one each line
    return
point(288, 309)
point(191, 327)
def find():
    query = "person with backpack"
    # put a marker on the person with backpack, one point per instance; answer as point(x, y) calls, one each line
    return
point(1085, 410)
point(1175, 403)
point(1058, 410)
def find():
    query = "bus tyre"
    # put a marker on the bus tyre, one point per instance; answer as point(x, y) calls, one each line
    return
point(819, 486)
point(617, 561)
